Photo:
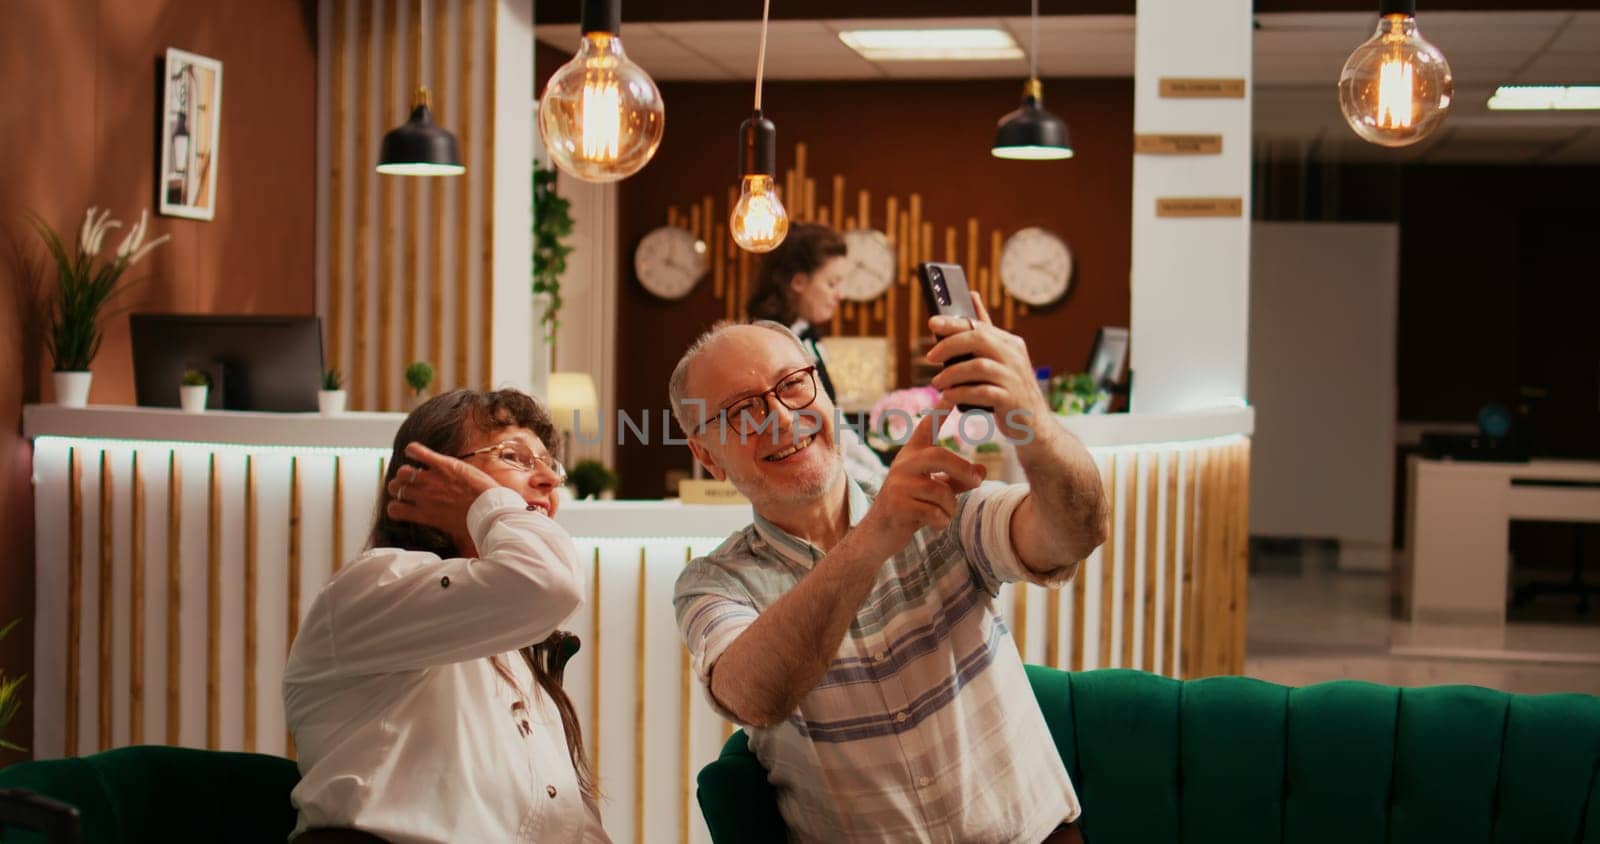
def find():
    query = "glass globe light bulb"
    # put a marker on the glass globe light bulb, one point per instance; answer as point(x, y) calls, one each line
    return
point(759, 222)
point(601, 116)
point(1396, 88)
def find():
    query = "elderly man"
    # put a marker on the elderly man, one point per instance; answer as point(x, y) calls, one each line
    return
point(854, 631)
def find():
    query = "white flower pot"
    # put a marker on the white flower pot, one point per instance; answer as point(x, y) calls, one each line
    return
point(72, 388)
point(330, 402)
point(193, 399)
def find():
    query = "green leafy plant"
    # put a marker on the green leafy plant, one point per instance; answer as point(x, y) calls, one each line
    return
point(419, 375)
point(332, 379)
point(552, 225)
point(988, 447)
point(10, 697)
point(85, 284)
point(591, 477)
point(195, 378)
point(1074, 394)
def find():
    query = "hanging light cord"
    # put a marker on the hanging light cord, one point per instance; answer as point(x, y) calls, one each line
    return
point(1033, 54)
point(761, 54)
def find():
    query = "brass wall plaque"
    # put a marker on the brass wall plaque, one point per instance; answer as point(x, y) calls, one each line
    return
point(1161, 144)
point(709, 491)
point(1228, 89)
point(1200, 206)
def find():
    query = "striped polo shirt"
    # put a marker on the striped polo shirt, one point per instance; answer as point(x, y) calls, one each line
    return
point(924, 728)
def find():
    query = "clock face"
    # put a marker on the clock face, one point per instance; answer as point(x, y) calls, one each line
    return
point(670, 261)
point(1036, 266)
point(872, 265)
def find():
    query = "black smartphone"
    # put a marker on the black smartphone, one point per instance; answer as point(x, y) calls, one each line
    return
point(944, 290)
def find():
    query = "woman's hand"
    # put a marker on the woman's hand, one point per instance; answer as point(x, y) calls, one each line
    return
point(438, 493)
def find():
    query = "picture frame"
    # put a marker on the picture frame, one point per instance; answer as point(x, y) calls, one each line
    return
point(191, 111)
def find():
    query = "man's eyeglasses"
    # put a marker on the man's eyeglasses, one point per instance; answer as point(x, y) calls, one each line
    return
point(518, 455)
point(747, 416)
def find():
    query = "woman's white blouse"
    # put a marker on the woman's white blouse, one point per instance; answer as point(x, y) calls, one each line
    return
point(403, 727)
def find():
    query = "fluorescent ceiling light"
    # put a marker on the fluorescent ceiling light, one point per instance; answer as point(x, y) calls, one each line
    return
point(909, 45)
point(1545, 98)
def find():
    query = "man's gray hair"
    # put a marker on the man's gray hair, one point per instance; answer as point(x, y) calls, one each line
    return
point(690, 413)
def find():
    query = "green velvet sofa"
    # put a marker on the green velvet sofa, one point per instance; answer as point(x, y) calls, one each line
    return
point(1230, 759)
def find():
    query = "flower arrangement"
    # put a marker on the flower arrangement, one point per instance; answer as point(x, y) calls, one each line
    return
point(86, 283)
point(894, 415)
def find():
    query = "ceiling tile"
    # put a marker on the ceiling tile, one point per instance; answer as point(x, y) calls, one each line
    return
point(1563, 69)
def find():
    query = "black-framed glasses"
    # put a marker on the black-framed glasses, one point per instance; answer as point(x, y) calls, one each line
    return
point(518, 455)
point(748, 415)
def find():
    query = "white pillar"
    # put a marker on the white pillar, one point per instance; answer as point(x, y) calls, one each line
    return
point(1191, 285)
point(517, 358)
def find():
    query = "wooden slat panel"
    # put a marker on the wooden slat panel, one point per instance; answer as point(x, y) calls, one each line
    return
point(463, 276)
point(594, 667)
point(1169, 606)
point(293, 619)
point(104, 601)
point(1130, 559)
point(685, 746)
point(338, 113)
point(74, 592)
point(1079, 600)
point(357, 378)
point(486, 167)
point(214, 608)
point(1152, 552)
point(864, 210)
point(337, 532)
point(175, 589)
point(993, 293)
point(251, 501)
point(1019, 609)
point(1052, 629)
point(1108, 566)
point(438, 193)
point(136, 610)
point(639, 707)
point(1191, 547)
point(1241, 560)
point(388, 372)
point(413, 197)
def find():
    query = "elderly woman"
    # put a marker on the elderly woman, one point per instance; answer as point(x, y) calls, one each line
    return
point(419, 708)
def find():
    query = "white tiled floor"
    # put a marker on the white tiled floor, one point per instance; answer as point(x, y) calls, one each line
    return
point(1324, 625)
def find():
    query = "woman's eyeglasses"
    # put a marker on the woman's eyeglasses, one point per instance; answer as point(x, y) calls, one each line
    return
point(795, 391)
point(518, 455)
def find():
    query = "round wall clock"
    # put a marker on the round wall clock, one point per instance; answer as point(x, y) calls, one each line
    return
point(871, 271)
point(670, 261)
point(1036, 266)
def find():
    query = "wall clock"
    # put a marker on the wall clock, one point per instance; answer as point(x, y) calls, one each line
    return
point(872, 265)
point(1036, 266)
point(670, 261)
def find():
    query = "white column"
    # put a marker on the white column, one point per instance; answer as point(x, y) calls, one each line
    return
point(1190, 286)
point(517, 358)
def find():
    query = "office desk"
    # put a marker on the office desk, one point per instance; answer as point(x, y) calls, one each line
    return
point(1458, 517)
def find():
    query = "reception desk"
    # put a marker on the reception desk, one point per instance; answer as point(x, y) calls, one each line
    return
point(176, 554)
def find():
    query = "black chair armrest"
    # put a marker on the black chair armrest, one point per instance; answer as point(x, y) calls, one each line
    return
point(23, 809)
point(555, 651)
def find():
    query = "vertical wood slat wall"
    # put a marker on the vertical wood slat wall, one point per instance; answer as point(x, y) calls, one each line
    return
point(265, 528)
point(408, 259)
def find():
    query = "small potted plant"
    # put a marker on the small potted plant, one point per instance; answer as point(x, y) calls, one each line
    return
point(1075, 394)
point(192, 391)
point(84, 285)
point(419, 376)
point(591, 479)
point(10, 696)
point(330, 399)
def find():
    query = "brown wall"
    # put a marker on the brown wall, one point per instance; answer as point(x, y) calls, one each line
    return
point(78, 125)
point(891, 138)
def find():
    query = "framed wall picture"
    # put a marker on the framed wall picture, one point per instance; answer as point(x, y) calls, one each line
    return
point(190, 117)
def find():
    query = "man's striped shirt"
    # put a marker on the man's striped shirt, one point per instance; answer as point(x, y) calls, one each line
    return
point(924, 727)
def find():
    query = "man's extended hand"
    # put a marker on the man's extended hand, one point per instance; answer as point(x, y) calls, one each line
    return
point(920, 490)
point(999, 375)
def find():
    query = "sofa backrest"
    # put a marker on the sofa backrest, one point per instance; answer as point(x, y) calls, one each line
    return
point(178, 794)
point(1230, 759)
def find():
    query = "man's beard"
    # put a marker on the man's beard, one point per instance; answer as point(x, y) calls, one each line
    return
point(762, 490)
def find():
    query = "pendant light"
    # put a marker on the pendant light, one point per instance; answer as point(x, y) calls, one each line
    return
point(601, 115)
point(420, 147)
point(1030, 133)
point(1396, 87)
point(759, 221)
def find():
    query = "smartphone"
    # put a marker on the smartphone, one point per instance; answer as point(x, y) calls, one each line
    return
point(944, 290)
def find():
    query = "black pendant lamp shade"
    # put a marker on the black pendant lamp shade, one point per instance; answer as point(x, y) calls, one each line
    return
point(420, 147)
point(1030, 133)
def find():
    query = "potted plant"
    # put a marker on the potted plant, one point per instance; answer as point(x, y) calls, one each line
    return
point(192, 391)
point(591, 479)
point(330, 399)
point(10, 697)
point(1071, 395)
point(85, 284)
point(419, 376)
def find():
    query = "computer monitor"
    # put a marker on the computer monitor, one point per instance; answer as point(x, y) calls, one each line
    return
point(269, 363)
point(1108, 363)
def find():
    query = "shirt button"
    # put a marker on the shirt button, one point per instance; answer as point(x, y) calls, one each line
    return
point(900, 717)
point(550, 790)
point(924, 782)
point(880, 656)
